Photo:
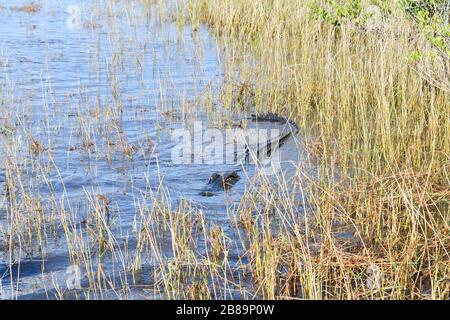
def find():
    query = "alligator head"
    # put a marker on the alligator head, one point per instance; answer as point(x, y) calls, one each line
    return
point(219, 182)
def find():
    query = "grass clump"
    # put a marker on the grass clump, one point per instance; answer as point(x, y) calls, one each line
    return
point(31, 8)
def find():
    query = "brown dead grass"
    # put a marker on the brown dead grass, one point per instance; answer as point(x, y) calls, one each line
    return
point(30, 8)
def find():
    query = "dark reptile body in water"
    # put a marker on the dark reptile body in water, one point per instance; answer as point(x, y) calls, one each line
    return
point(225, 181)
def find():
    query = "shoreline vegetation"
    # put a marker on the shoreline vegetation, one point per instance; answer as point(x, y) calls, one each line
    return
point(370, 81)
point(367, 82)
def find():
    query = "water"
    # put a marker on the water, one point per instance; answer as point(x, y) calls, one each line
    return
point(101, 99)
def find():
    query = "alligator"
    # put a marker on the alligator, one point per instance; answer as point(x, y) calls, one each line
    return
point(279, 141)
point(225, 181)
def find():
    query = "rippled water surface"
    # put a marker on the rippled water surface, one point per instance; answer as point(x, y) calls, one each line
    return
point(87, 108)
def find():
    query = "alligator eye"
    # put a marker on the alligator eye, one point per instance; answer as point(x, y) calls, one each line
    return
point(214, 177)
point(230, 180)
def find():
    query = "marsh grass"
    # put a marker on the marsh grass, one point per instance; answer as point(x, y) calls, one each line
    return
point(372, 119)
point(31, 7)
point(373, 195)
